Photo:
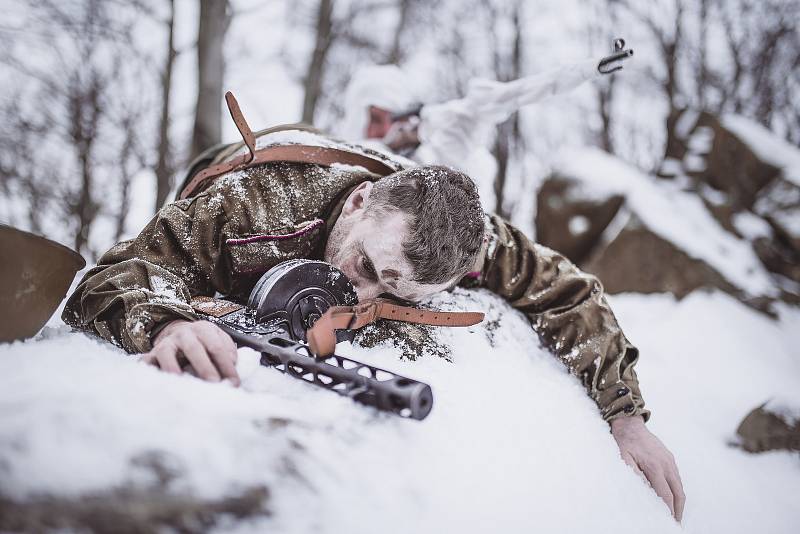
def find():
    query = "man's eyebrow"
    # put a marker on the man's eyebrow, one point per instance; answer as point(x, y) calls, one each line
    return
point(390, 273)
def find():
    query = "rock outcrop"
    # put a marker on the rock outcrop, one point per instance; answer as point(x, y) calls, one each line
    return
point(723, 212)
point(572, 223)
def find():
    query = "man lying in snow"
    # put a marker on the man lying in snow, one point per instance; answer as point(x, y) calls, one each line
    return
point(411, 233)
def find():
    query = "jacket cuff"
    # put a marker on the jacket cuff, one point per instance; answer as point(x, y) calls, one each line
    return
point(145, 320)
point(620, 400)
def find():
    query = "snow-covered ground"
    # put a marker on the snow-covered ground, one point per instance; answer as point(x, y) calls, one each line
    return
point(512, 445)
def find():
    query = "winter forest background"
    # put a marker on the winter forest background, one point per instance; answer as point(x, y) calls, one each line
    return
point(679, 173)
point(105, 101)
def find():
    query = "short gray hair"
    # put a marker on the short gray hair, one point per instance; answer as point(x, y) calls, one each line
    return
point(446, 220)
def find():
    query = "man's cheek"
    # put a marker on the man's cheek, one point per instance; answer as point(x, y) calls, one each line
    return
point(347, 266)
point(337, 258)
point(345, 259)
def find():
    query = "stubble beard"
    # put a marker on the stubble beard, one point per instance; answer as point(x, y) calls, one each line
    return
point(336, 238)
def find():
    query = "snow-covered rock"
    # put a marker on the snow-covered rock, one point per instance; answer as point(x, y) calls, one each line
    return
point(779, 206)
point(767, 146)
point(661, 238)
point(732, 155)
point(743, 169)
point(568, 220)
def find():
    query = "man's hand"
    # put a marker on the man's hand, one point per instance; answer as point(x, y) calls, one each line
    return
point(210, 351)
point(402, 134)
point(650, 458)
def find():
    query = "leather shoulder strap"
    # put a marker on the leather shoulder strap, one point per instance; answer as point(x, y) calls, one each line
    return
point(241, 125)
point(296, 153)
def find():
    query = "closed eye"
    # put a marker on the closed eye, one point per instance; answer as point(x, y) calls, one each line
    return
point(366, 266)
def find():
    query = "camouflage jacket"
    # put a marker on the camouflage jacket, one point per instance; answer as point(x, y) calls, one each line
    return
point(223, 239)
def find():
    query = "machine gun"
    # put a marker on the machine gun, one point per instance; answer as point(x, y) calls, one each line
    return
point(297, 312)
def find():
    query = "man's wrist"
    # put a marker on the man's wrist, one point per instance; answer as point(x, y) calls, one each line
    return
point(159, 328)
point(626, 423)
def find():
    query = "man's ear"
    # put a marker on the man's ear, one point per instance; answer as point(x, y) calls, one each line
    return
point(357, 199)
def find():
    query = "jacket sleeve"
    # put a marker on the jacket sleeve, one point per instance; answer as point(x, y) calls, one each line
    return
point(141, 283)
point(568, 310)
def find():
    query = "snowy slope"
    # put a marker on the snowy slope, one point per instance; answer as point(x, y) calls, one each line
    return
point(513, 444)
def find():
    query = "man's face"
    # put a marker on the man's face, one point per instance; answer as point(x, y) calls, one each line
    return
point(367, 246)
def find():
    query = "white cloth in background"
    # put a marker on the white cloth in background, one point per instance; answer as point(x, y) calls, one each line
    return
point(458, 132)
point(385, 86)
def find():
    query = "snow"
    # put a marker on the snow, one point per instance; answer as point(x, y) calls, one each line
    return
point(578, 224)
point(164, 290)
point(512, 444)
point(714, 196)
point(766, 145)
point(711, 361)
point(789, 221)
point(694, 162)
point(751, 226)
point(676, 215)
point(671, 167)
point(787, 409)
point(686, 122)
point(780, 201)
point(702, 140)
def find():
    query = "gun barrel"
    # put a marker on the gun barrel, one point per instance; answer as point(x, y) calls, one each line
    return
point(363, 383)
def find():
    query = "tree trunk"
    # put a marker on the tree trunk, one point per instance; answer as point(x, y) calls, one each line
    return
point(85, 114)
point(605, 98)
point(313, 79)
point(502, 152)
point(214, 21)
point(396, 52)
point(508, 134)
point(670, 49)
point(125, 181)
point(703, 82)
point(164, 167)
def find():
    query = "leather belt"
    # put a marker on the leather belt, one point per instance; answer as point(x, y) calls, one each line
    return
point(294, 153)
point(321, 336)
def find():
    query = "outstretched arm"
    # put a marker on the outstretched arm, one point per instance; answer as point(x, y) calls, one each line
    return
point(147, 282)
point(568, 310)
point(456, 132)
point(492, 102)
